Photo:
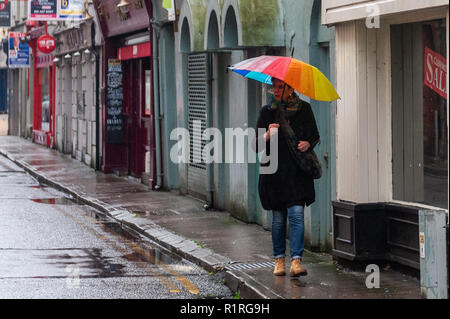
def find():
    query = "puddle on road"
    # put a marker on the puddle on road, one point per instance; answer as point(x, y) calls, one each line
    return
point(142, 250)
point(38, 186)
point(93, 263)
point(59, 263)
point(54, 201)
point(90, 262)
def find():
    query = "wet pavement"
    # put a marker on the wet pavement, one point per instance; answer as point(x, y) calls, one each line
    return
point(53, 247)
point(211, 239)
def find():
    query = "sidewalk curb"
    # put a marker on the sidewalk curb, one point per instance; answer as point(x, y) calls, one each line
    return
point(184, 247)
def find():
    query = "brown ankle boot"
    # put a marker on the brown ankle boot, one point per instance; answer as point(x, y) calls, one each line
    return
point(297, 269)
point(279, 267)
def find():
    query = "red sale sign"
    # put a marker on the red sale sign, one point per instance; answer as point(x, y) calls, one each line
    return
point(3, 4)
point(435, 73)
point(46, 43)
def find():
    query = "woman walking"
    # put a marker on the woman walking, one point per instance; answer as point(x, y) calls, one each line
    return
point(287, 191)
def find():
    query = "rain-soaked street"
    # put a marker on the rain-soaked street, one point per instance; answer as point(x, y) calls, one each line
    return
point(52, 247)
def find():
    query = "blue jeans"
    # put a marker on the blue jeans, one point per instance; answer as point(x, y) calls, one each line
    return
point(295, 214)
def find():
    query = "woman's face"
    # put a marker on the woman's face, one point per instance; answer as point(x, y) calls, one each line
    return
point(278, 87)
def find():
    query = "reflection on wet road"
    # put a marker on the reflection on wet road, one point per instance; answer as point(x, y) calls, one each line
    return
point(52, 247)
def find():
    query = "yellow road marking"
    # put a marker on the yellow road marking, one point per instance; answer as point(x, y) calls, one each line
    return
point(183, 280)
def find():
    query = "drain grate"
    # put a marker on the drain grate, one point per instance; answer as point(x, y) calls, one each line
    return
point(268, 264)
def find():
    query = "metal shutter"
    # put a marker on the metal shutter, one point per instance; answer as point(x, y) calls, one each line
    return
point(198, 67)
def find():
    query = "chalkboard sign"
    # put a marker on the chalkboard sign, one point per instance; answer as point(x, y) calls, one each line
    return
point(114, 100)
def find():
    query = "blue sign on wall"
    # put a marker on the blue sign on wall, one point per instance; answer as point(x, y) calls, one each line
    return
point(19, 51)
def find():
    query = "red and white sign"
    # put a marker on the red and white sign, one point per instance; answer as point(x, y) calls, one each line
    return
point(134, 51)
point(435, 73)
point(3, 4)
point(44, 60)
point(46, 43)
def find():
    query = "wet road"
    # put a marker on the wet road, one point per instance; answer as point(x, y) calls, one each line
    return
point(51, 247)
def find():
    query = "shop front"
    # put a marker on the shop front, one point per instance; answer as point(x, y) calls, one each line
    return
point(77, 87)
point(391, 128)
point(136, 104)
point(43, 90)
point(127, 103)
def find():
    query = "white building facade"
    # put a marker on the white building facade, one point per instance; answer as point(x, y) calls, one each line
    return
point(76, 55)
point(376, 40)
point(391, 124)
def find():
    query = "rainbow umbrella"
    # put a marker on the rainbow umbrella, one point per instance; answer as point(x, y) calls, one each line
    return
point(304, 78)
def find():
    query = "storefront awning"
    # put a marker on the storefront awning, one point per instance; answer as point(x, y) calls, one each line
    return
point(134, 51)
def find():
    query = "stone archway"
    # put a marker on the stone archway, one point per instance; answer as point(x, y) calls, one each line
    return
point(212, 35)
point(185, 38)
point(230, 29)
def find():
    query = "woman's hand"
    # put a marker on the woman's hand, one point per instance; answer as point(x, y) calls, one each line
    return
point(303, 146)
point(273, 129)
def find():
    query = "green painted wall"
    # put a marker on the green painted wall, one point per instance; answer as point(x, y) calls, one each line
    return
point(198, 11)
point(261, 22)
point(295, 26)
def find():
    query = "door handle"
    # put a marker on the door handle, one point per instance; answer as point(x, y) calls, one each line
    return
point(325, 157)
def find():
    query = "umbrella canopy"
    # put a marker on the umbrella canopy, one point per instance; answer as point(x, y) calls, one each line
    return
point(304, 78)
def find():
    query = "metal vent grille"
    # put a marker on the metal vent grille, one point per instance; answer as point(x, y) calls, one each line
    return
point(197, 99)
point(268, 264)
point(197, 117)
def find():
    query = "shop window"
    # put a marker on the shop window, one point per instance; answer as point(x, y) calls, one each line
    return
point(45, 98)
point(419, 113)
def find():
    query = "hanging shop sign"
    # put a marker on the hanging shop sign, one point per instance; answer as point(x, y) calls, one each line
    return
point(71, 9)
point(43, 10)
point(169, 5)
point(44, 60)
point(19, 51)
point(435, 73)
point(46, 43)
point(114, 102)
point(47, 10)
point(115, 21)
point(5, 13)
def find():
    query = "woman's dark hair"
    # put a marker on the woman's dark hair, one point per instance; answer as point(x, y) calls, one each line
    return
point(287, 85)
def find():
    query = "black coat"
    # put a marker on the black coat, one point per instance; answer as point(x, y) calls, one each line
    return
point(288, 186)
